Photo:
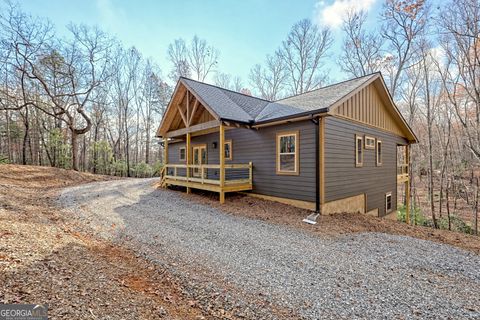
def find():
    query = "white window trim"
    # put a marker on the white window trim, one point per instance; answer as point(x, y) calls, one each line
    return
point(388, 194)
point(229, 142)
point(379, 158)
point(371, 139)
point(358, 140)
point(296, 153)
point(180, 153)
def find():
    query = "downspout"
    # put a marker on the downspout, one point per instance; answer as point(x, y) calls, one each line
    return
point(312, 219)
point(317, 165)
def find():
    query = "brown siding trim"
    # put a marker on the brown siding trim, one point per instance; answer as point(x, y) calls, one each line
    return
point(292, 202)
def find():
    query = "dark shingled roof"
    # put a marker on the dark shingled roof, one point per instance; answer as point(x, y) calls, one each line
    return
point(230, 105)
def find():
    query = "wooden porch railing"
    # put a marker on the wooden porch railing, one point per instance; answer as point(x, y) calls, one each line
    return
point(203, 177)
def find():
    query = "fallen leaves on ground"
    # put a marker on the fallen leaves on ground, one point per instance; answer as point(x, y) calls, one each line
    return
point(44, 259)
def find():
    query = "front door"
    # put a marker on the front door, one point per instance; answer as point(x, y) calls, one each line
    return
point(199, 158)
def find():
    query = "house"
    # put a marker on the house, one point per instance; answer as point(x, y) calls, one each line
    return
point(340, 148)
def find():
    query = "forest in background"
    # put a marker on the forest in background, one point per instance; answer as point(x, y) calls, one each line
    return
point(86, 102)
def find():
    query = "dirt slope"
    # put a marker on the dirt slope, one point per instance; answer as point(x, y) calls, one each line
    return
point(43, 259)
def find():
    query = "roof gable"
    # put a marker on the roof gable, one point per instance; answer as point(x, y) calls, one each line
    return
point(186, 108)
point(371, 104)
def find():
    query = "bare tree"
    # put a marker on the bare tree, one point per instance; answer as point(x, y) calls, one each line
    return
point(403, 23)
point(303, 53)
point(178, 55)
point(65, 77)
point(461, 73)
point(227, 81)
point(361, 54)
point(203, 58)
point(198, 59)
point(269, 80)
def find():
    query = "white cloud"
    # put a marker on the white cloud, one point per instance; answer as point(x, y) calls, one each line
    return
point(331, 15)
point(111, 15)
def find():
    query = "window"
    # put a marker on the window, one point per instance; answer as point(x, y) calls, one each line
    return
point(379, 153)
point(369, 142)
point(358, 151)
point(287, 153)
point(388, 202)
point(228, 150)
point(182, 153)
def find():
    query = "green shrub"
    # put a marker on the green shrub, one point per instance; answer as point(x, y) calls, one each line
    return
point(3, 159)
point(457, 224)
point(416, 216)
point(156, 168)
point(119, 168)
point(142, 170)
point(104, 156)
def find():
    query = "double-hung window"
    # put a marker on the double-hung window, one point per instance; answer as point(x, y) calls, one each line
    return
point(379, 153)
point(358, 151)
point(287, 153)
point(182, 153)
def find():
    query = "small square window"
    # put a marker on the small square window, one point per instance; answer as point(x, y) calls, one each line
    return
point(369, 142)
point(388, 202)
point(182, 153)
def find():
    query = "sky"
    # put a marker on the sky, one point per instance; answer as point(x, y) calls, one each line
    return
point(244, 31)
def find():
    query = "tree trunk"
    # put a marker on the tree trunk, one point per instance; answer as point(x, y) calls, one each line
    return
point(476, 212)
point(95, 156)
point(147, 146)
point(25, 138)
point(74, 140)
point(448, 206)
point(9, 140)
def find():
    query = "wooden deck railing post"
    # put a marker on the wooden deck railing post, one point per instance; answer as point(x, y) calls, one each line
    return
point(222, 163)
point(188, 156)
point(407, 184)
point(202, 172)
point(250, 173)
point(165, 149)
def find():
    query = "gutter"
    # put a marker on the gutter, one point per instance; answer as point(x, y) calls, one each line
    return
point(311, 113)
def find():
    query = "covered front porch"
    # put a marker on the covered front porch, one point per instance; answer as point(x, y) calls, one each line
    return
point(187, 119)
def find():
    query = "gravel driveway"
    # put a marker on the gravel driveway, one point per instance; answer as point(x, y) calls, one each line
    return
point(369, 275)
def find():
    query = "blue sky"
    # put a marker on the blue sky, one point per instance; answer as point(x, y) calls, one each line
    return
point(243, 30)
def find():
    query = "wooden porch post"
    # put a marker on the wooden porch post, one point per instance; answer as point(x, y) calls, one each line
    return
point(222, 162)
point(165, 149)
point(188, 156)
point(407, 185)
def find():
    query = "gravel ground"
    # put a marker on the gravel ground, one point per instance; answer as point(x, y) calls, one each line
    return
point(254, 267)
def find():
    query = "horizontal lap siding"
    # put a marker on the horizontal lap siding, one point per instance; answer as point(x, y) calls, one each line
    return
point(343, 179)
point(259, 147)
